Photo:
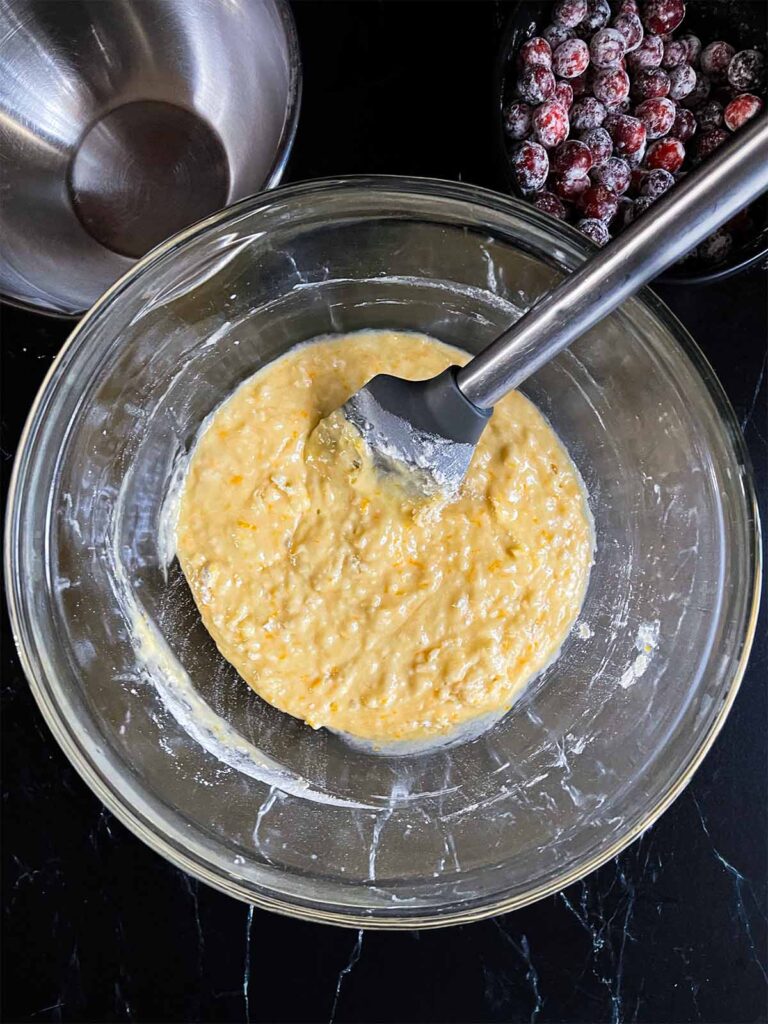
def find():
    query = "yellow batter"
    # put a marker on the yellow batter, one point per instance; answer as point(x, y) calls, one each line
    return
point(349, 603)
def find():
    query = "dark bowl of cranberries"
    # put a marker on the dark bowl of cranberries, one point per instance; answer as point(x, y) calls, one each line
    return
point(607, 104)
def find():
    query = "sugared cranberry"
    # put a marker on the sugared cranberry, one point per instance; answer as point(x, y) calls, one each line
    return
point(663, 16)
point(631, 28)
point(658, 116)
point(715, 59)
point(571, 58)
point(607, 47)
point(550, 124)
point(682, 81)
point(556, 34)
point(710, 115)
point(587, 113)
point(684, 127)
point(611, 86)
point(530, 166)
point(656, 182)
point(598, 14)
point(648, 54)
point(568, 189)
point(549, 203)
point(595, 230)
point(693, 46)
point(627, 7)
point(650, 83)
point(699, 93)
point(667, 154)
point(579, 86)
point(600, 144)
point(614, 175)
point(709, 141)
point(569, 12)
point(536, 84)
point(636, 159)
point(742, 109)
point(517, 119)
point(628, 134)
point(715, 248)
point(535, 52)
point(564, 94)
point(675, 52)
point(572, 160)
point(746, 71)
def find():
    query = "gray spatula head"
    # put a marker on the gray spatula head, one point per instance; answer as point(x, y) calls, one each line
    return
point(425, 428)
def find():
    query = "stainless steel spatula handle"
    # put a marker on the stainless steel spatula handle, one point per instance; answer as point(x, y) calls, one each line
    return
point(674, 225)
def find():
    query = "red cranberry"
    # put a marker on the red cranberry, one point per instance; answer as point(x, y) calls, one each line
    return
point(587, 113)
point(611, 85)
point(536, 84)
point(600, 145)
point(568, 189)
point(598, 13)
point(693, 46)
point(535, 52)
point(530, 166)
point(650, 83)
point(556, 34)
point(636, 180)
point(657, 115)
point(564, 94)
point(595, 230)
point(741, 110)
point(579, 85)
point(709, 141)
point(571, 58)
point(699, 93)
point(614, 175)
point(710, 115)
point(656, 182)
point(636, 159)
point(572, 160)
point(627, 7)
point(675, 52)
point(517, 119)
point(663, 16)
point(715, 59)
point(684, 127)
point(667, 154)
point(607, 47)
point(682, 81)
point(569, 12)
point(628, 134)
point(648, 54)
point(715, 248)
point(550, 124)
point(631, 28)
point(549, 203)
point(747, 71)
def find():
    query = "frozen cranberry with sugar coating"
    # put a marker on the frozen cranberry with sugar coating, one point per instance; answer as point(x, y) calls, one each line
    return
point(600, 144)
point(710, 115)
point(699, 93)
point(564, 94)
point(708, 141)
point(682, 81)
point(579, 86)
point(536, 84)
point(595, 230)
point(715, 248)
point(587, 113)
point(598, 14)
point(658, 116)
point(663, 16)
point(746, 72)
point(742, 109)
point(715, 58)
point(648, 54)
point(599, 202)
point(607, 47)
point(568, 189)
point(631, 28)
point(549, 124)
point(692, 44)
point(649, 83)
point(556, 34)
point(628, 133)
point(530, 166)
point(665, 153)
point(569, 12)
point(571, 58)
point(636, 159)
point(614, 175)
point(626, 7)
point(517, 119)
point(572, 160)
point(685, 126)
point(656, 182)
point(675, 52)
point(549, 203)
point(535, 52)
point(611, 86)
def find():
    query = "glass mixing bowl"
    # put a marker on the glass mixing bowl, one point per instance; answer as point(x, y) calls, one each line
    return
point(256, 803)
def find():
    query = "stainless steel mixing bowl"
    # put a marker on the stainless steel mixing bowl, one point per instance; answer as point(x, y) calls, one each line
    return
point(122, 122)
point(257, 803)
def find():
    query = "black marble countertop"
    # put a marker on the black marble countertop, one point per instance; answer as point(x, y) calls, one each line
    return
point(97, 927)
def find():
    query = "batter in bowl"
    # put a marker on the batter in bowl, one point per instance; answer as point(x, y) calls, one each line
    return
point(350, 602)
